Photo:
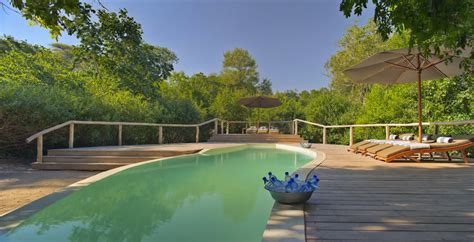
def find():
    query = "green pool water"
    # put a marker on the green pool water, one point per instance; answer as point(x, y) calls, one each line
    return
point(214, 197)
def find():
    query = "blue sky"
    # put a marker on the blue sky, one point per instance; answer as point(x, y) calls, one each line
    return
point(290, 39)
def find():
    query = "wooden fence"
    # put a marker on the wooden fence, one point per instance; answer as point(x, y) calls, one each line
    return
point(224, 124)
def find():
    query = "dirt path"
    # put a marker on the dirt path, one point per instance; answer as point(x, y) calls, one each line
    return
point(20, 185)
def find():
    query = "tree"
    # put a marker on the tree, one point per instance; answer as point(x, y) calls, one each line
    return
point(265, 87)
point(432, 24)
point(225, 105)
point(291, 107)
point(113, 46)
point(239, 70)
point(56, 16)
point(39, 88)
point(8, 43)
point(328, 107)
point(199, 88)
point(357, 44)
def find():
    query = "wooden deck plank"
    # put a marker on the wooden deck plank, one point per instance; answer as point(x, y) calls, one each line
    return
point(364, 199)
point(390, 236)
point(391, 219)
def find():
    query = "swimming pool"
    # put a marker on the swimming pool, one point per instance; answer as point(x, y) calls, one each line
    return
point(214, 196)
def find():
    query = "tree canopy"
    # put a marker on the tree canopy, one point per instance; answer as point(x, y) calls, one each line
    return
point(56, 16)
point(114, 75)
point(433, 25)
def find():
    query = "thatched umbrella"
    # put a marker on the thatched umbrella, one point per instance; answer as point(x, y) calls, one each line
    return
point(402, 66)
point(259, 102)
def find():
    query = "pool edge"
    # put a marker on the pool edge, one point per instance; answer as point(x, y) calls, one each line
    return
point(287, 222)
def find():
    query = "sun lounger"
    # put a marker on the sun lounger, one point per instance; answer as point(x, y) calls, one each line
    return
point(372, 151)
point(389, 150)
point(354, 147)
point(399, 151)
point(262, 130)
point(274, 130)
point(363, 148)
point(251, 130)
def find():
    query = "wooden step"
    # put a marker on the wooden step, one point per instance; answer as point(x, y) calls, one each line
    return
point(76, 166)
point(106, 157)
point(104, 152)
point(97, 159)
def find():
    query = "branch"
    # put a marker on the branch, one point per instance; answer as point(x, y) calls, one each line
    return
point(102, 5)
point(5, 6)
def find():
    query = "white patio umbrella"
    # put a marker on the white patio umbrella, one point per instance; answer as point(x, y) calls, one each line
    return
point(402, 66)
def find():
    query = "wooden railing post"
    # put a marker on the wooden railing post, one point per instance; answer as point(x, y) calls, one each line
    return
point(324, 135)
point(120, 134)
point(436, 129)
point(351, 135)
point(160, 135)
point(387, 132)
point(227, 128)
point(216, 127)
point(296, 127)
point(71, 135)
point(39, 149)
point(197, 132)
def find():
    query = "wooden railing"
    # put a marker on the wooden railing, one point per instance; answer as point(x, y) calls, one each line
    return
point(39, 136)
point(224, 124)
point(387, 127)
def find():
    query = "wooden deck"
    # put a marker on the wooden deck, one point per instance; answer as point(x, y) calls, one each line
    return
point(368, 200)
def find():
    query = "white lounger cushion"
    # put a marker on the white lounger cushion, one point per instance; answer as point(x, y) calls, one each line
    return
point(444, 140)
point(412, 145)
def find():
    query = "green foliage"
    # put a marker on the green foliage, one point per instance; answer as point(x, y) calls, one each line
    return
point(200, 89)
point(328, 108)
point(432, 24)
point(114, 76)
point(56, 16)
point(265, 87)
point(396, 104)
point(225, 105)
point(291, 107)
point(239, 70)
point(109, 45)
point(41, 88)
point(443, 100)
point(357, 44)
point(450, 99)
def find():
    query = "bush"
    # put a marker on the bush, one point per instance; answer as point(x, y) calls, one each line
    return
point(28, 108)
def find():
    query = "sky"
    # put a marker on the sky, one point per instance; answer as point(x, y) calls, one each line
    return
point(290, 39)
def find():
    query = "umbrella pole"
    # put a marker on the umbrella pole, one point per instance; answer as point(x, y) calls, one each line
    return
point(258, 118)
point(420, 127)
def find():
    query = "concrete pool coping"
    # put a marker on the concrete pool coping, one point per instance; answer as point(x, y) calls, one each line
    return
point(285, 223)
